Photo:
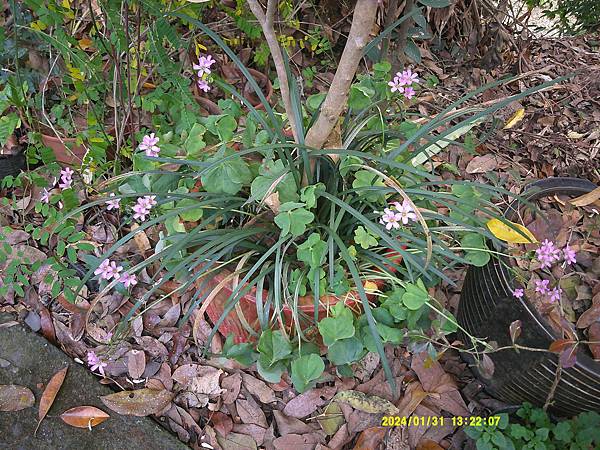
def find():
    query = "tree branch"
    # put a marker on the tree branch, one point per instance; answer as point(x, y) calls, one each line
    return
point(337, 96)
point(266, 23)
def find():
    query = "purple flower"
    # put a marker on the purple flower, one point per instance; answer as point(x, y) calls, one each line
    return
point(405, 211)
point(409, 92)
point(407, 77)
point(203, 66)
point(108, 269)
point(128, 280)
point(518, 293)
point(150, 200)
point(95, 363)
point(149, 144)
point(541, 286)
point(569, 255)
point(390, 219)
point(203, 85)
point(396, 85)
point(547, 254)
point(66, 179)
point(555, 294)
point(45, 196)
point(142, 208)
point(113, 204)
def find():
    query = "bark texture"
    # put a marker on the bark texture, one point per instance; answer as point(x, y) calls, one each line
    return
point(363, 20)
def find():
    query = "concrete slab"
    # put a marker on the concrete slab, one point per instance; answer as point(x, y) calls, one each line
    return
point(29, 360)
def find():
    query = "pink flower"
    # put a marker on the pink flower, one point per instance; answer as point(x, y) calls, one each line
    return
point(95, 363)
point(569, 255)
point(407, 77)
point(203, 66)
point(203, 85)
point(150, 200)
point(128, 280)
point(390, 219)
point(541, 286)
point(45, 196)
point(547, 254)
point(113, 204)
point(103, 270)
point(66, 179)
point(149, 145)
point(108, 269)
point(396, 85)
point(409, 92)
point(406, 211)
point(555, 294)
point(518, 293)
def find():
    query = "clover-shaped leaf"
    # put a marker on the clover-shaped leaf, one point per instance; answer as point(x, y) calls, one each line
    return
point(305, 370)
point(415, 296)
point(364, 182)
point(312, 250)
point(228, 177)
point(274, 177)
point(293, 218)
point(364, 238)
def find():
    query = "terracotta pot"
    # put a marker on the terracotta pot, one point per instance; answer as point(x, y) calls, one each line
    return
point(245, 310)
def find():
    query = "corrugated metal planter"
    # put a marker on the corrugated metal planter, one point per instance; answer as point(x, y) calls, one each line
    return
point(486, 310)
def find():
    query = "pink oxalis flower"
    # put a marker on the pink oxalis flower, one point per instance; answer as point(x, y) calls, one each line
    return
point(390, 219)
point(203, 85)
point(569, 255)
point(203, 66)
point(409, 92)
point(406, 211)
point(554, 294)
point(143, 206)
point(108, 269)
point(408, 77)
point(149, 145)
point(45, 196)
point(395, 85)
point(66, 178)
point(95, 363)
point(113, 204)
point(128, 279)
point(518, 293)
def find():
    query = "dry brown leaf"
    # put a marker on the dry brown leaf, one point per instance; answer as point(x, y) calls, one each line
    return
point(84, 416)
point(222, 423)
point(258, 388)
point(482, 164)
point(141, 402)
point(308, 402)
point(370, 438)
point(587, 199)
point(141, 240)
point(594, 336)
point(250, 412)
point(413, 397)
point(136, 364)
point(236, 441)
point(428, 444)
point(15, 398)
point(231, 385)
point(49, 394)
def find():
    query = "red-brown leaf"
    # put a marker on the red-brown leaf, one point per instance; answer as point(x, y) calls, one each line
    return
point(84, 416)
point(370, 438)
point(515, 330)
point(136, 363)
point(50, 393)
point(560, 344)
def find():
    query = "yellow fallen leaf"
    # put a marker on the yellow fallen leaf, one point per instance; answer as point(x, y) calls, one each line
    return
point(509, 233)
point(85, 43)
point(587, 199)
point(367, 403)
point(515, 119)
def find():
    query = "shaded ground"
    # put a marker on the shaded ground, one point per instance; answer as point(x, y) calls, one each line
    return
point(29, 360)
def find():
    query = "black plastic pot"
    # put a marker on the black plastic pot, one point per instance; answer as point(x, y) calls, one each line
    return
point(11, 165)
point(486, 310)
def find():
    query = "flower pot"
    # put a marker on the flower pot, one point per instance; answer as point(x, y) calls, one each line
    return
point(486, 310)
point(11, 165)
point(245, 310)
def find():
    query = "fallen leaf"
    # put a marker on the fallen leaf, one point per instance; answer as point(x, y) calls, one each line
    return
point(290, 425)
point(367, 403)
point(482, 164)
point(413, 396)
point(428, 444)
point(15, 398)
point(331, 419)
point(85, 43)
point(84, 416)
point(141, 402)
point(515, 119)
point(296, 441)
point(236, 441)
point(258, 388)
point(250, 412)
point(141, 240)
point(222, 423)
point(49, 394)
point(515, 330)
point(510, 234)
point(587, 199)
point(370, 438)
point(231, 385)
point(307, 403)
point(594, 336)
point(136, 364)
point(568, 357)
point(559, 345)
point(486, 367)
